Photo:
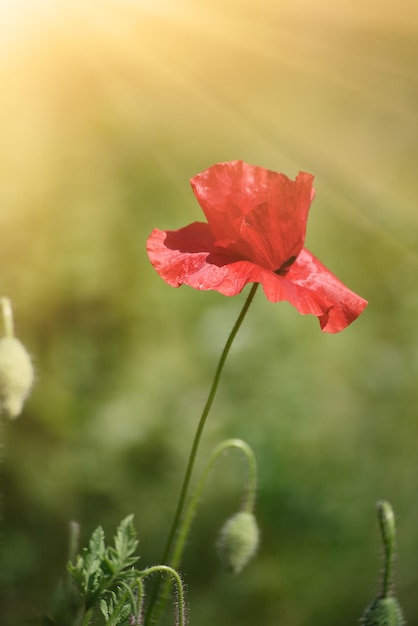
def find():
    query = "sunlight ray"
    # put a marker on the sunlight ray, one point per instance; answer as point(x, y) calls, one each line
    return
point(301, 90)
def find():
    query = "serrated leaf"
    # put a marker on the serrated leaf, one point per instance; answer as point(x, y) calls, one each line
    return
point(126, 540)
point(87, 571)
point(120, 557)
point(99, 568)
point(96, 550)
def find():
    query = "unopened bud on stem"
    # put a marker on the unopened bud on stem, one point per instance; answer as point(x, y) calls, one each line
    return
point(238, 541)
point(383, 612)
point(385, 609)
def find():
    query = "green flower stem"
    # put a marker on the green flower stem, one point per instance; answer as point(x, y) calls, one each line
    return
point(248, 505)
point(7, 313)
point(180, 605)
point(196, 442)
point(387, 528)
point(249, 500)
point(140, 600)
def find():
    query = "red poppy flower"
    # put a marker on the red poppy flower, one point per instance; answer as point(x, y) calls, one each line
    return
point(255, 231)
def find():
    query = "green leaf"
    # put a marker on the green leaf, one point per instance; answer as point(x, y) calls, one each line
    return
point(87, 573)
point(116, 607)
point(99, 569)
point(120, 557)
point(125, 540)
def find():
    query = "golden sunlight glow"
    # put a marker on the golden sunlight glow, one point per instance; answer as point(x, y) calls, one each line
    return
point(322, 86)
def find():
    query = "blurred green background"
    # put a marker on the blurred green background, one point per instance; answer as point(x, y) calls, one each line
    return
point(107, 109)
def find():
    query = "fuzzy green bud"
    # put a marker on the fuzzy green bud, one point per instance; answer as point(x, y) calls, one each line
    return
point(16, 376)
point(238, 541)
point(383, 612)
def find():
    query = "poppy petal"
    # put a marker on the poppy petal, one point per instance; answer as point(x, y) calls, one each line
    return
point(175, 254)
point(253, 212)
point(188, 256)
point(227, 192)
point(311, 288)
point(275, 231)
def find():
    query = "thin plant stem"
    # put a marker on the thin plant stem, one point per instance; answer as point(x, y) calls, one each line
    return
point(180, 605)
point(202, 422)
point(196, 442)
point(386, 519)
point(249, 499)
point(140, 601)
point(7, 314)
point(247, 505)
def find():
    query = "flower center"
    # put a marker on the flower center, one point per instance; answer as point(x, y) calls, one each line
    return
point(284, 268)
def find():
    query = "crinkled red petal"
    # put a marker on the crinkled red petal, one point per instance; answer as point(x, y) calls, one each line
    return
point(255, 213)
point(189, 256)
point(312, 288)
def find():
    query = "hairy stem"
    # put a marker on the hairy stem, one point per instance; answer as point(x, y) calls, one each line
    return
point(180, 606)
point(249, 500)
point(387, 528)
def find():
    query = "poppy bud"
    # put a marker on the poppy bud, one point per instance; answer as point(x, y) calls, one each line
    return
point(16, 376)
point(238, 541)
point(383, 612)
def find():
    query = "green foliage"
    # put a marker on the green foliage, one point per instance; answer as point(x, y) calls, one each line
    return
point(117, 606)
point(103, 573)
point(120, 557)
point(101, 125)
point(88, 572)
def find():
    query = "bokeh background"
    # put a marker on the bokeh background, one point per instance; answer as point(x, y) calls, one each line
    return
point(107, 108)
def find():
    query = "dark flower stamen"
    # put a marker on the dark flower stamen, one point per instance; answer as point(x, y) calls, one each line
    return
point(284, 268)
